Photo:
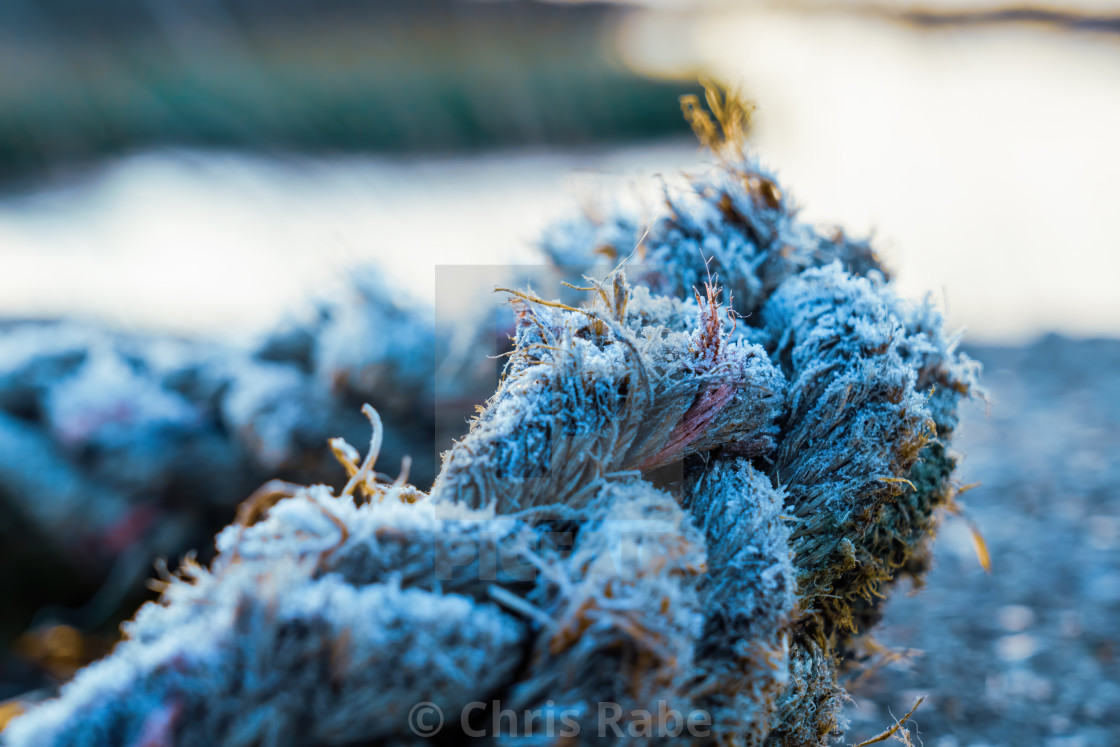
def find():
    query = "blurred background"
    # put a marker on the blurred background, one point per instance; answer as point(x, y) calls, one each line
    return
point(203, 203)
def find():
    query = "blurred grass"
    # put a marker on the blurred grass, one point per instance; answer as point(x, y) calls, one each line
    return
point(383, 76)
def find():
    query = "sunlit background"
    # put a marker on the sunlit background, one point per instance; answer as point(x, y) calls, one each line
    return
point(204, 169)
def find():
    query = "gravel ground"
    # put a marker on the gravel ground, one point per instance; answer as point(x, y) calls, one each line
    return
point(1030, 654)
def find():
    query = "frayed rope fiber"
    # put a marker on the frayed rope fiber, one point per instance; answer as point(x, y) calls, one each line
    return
point(662, 503)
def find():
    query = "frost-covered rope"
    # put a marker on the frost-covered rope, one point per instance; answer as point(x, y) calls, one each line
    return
point(659, 505)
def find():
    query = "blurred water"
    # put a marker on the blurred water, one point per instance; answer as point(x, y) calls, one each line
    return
point(209, 244)
point(984, 160)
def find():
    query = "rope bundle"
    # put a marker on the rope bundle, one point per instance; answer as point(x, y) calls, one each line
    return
point(658, 505)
